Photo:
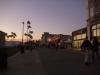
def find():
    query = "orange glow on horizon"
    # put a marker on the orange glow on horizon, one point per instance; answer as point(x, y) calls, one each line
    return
point(36, 36)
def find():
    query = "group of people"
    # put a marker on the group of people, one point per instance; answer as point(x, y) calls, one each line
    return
point(90, 49)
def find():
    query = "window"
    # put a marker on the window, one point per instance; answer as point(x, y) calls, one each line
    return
point(94, 27)
point(91, 11)
point(97, 6)
point(81, 42)
point(75, 37)
point(94, 32)
point(83, 35)
point(78, 43)
point(75, 44)
point(78, 36)
point(98, 32)
point(98, 26)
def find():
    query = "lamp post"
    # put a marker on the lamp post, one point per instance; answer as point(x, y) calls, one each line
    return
point(22, 32)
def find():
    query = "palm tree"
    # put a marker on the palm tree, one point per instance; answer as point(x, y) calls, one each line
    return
point(28, 25)
point(28, 35)
point(12, 35)
point(9, 36)
point(31, 32)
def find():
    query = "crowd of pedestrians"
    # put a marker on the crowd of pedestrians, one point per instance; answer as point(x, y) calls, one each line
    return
point(91, 50)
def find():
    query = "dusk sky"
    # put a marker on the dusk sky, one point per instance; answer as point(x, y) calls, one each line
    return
point(54, 16)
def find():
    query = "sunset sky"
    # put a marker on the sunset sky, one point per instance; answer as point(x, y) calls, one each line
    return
point(54, 16)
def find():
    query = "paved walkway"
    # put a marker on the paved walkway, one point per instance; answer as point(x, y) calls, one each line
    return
point(67, 62)
point(24, 64)
point(44, 61)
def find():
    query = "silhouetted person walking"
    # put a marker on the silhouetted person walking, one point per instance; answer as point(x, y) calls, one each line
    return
point(95, 50)
point(86, 47)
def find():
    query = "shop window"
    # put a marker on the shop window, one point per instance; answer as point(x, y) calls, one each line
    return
point(83, 35)
point(98, 32)
point(98, 26)
point(75, 44)
point(79, 37)
point(75, 37)
point(94, 32)
point(81, 42)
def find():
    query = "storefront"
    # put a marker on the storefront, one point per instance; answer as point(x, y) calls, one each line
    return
point(78, 37)
point(95, 31)
point(93, 19)
point(93, 24)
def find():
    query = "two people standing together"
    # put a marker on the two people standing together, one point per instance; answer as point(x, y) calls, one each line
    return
point(90, 50)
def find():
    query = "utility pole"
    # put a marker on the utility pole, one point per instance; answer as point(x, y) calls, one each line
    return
point(22, 32)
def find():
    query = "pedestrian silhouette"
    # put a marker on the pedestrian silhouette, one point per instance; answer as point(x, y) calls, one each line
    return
point(95, 50)
point(86, 47)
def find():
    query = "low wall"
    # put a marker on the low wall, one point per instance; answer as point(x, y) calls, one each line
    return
point(9, 50)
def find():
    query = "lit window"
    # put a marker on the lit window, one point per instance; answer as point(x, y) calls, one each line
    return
point(81, 42)
point(98, 32)
point(74, 43)
point(75, 37)
point(98, 25)
point(94, 32)
point(83, 35)
point(79, 37)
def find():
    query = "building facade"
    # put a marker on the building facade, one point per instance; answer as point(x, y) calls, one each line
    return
point(44, 37)
point(78, 36)
point(93, 19)
point(93, 24)
point(2, 38)
point(55, 38)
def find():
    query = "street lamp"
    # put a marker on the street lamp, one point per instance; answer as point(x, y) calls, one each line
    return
point(22, 32)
